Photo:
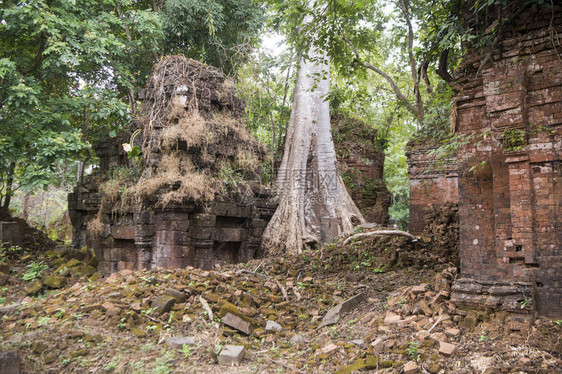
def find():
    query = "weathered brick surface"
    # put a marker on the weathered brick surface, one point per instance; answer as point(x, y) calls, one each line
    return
point(146, 234)
point(361, 161)
point(510, 199)
point(433, 183)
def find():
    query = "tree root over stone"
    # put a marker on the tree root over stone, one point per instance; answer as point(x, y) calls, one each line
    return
point(380, 232)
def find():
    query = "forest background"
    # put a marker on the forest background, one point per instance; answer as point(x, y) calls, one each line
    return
point(71, 72)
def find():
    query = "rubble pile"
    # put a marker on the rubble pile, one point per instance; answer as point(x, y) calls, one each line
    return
point(264, 316)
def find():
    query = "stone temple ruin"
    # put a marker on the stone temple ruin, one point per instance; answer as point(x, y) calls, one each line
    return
point(196, 199)
point(509, 181)
point(361, 160)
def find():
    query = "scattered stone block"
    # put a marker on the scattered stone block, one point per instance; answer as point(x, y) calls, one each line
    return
point(334, 314)
point(180, 341)
point(110, 309)
point(389, 344)
point(452, 332)
point(358, 341)
point(441, 283)
point(231, 355)
point(439, 336)
point(238, 323)
point(330, 348)
point(411, 367)
point(273, 326)
point(138, 332)
point(378, 344)
point(39, 347)
point(406, 321)
point(416, 290)
point(425, 308)
point(10, 363)
point(53, 281)
point(5, 268)
point(34, 288)
point(447, 349)
point(92, 307)
point(524, 361)
point(73, 262)
point(179, 296)
point(4, 278)
point(391, 317)
point(296, 340)
point(163, 304)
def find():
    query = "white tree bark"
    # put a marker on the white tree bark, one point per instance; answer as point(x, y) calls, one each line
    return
point(314, 205)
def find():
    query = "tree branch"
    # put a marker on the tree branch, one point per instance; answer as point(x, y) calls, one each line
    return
point(423, 74)
point(388, 78)
point(403, 5)
point(442, 68)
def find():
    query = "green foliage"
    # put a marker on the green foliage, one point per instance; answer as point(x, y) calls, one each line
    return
point(525, 302)
point(217, 32)
point(513, 140)
point(413, 350)
point(66, 72)
point(34, 271)
point(8, 252)
point(164, 363)
point(266, 84)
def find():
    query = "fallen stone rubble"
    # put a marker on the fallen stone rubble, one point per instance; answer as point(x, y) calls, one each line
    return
point(264, 316)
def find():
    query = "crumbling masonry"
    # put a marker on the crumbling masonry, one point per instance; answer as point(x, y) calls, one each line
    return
point(198, 201)
point(197, 198)
point(510, 173)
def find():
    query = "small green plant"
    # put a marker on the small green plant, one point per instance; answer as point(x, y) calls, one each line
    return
point(482, 338)
point(42, 321)
point(121, 326)
point(2, 300)
point(413, 350)
point(60, 313)
point(525, 302)
point(187, 350)
point(558, 322)
point(218, 349)
point(513, 140)
point(379, 269)
point(164, 363)
point(147, 347)
point(8, 252)
point(147, 311)
point(111, 366)
point(34, 271)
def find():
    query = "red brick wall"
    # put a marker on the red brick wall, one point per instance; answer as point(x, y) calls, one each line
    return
point(509, 200)
point(432, 184)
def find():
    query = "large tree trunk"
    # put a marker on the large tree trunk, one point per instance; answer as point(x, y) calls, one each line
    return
point(314, 206)
point(5, 205)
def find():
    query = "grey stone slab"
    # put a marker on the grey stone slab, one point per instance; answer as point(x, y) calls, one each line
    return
point(180, 341)
point(272, 325)
point(238, 323)
point(334, 314)
point(231, 355)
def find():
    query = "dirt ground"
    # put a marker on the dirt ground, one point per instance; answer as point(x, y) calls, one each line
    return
point(76, 322)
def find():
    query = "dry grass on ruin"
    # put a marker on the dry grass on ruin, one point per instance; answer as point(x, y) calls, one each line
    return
point(177, 173)
point(187, 126)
